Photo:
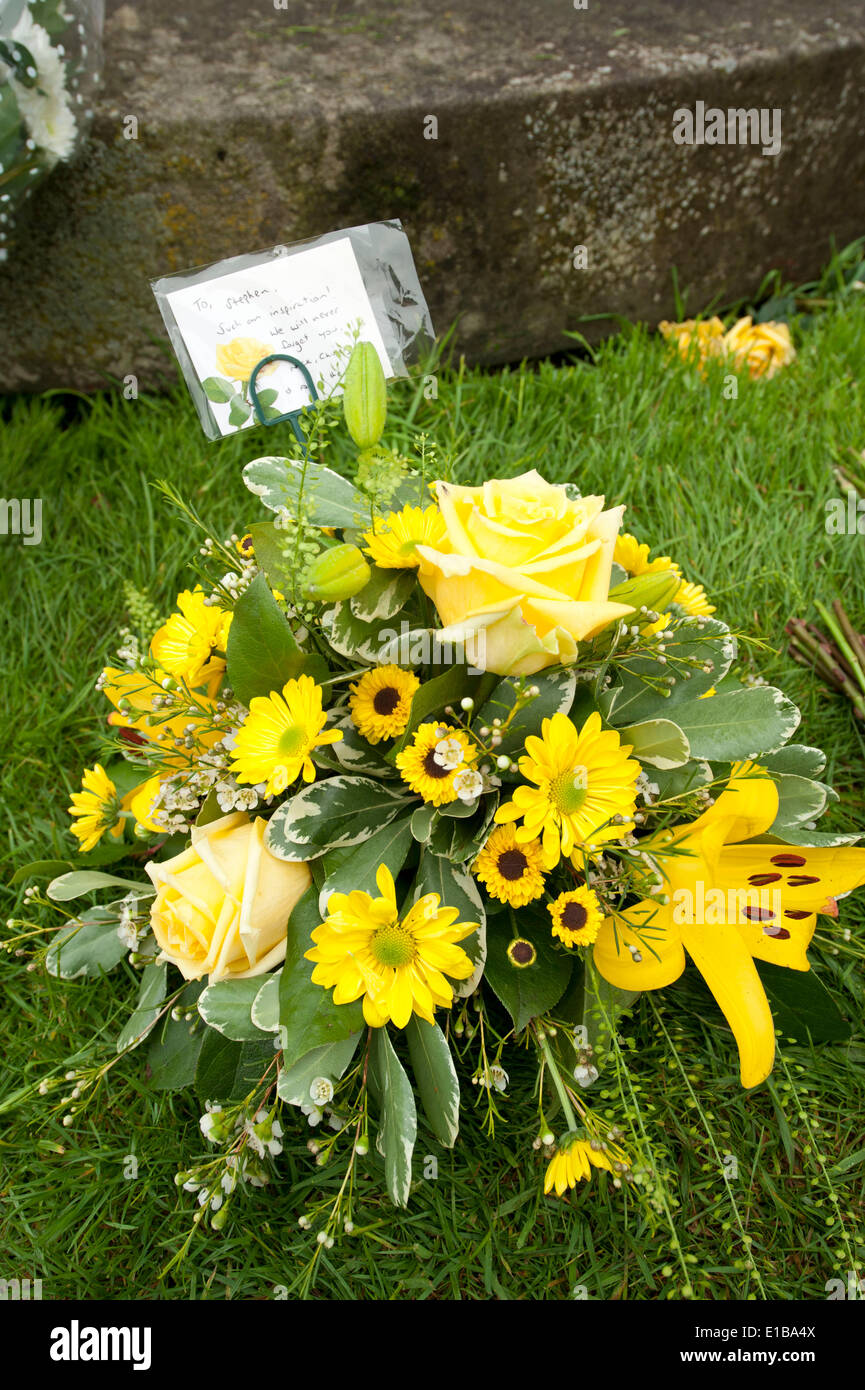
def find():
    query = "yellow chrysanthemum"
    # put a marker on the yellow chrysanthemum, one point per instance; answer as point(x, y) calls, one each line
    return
point(430, 764)
point(633, 556)
point(136, 696)
point(577, 916)
point(575, 1158)
point(510, 872)
point(95, 809)
point(191, 645)
point(398, 966)
point(279, 734)
point(583, 780)
point(393, 543)
point(692, 597)
point(380, 702)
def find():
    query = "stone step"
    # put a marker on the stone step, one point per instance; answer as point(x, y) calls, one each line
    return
point(504, 135)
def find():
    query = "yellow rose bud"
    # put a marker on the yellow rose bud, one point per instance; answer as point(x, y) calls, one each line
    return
point(337, 573)
point(364, 401)
point(222, 905)
point(526, 574)
point(238, 359)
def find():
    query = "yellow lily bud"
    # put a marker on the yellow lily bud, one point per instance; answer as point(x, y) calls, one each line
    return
point(364, 401)
point(338, 573)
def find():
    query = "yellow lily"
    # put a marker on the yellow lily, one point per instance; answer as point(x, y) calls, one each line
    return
point(730, 901)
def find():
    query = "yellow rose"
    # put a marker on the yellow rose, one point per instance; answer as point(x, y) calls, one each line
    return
point(222, 906)
point(526, 573)
point(239, 358)
point(761, 347)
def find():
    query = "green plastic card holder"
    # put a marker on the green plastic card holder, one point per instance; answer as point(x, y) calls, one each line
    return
point(293, 416)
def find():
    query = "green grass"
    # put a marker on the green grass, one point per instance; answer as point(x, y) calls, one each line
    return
point(735, 491)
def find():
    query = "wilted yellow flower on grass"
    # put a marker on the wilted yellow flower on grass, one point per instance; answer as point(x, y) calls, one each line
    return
point(695, 339)
point(191, 645)
point(95, 809)
point(275, 742)
point(764, 348)
point(380, 702)
point(583, 780)
point(394, 541)
point(577, 916)
point(510, 872)
point(431, 762)
point(399, 966)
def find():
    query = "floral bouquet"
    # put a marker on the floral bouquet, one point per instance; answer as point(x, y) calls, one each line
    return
point(418, 769)
point(49, 55)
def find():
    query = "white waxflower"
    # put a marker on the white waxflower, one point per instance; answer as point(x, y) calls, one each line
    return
point(499, 1077)
point(448, 753)
point(468, 784)
point(321, 1091)
point(46, 107)
point(314, 1116)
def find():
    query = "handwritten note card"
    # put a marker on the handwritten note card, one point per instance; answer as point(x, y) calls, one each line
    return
point(306, 305)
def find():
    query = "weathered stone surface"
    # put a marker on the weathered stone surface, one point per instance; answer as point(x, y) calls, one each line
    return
point(258, 125)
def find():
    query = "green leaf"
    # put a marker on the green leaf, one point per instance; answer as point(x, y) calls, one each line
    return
point(330, 1059)
point(265, 1006)
point(799, 799)
point(268, 543)
point(533, 989)
point(356, 866)
point(355, 639)
point(227, 1007)
point(217, 390)
point(40, 868)
point(557, 690)
point(354, 754)
point(658, 742)
point(330, 815)
point(740, 724)
point(422, 821)
point(456, 888)
point(461, 839)
point(230, 1070)
point(262, 652)
point(267, 397)
point(69, 886)
point(240, 411)
point(436, 1078)
point(88, 946)
point(210, 809)
point(384, 595)
point(446, 689)
point(397, 1115)
point(802, 1006)
point(678, 781)
point(632, 701)
point(327, 498)
point(797, 759)
point(308, 1016)
point(175, 1045)
point(148, 1008)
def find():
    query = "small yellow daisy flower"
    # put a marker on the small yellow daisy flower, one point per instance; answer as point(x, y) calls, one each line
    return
point(633, 556)
point(576, 1157)
point(95, 809)
point(278, 735)
point(583, 780)
point(393, 542)
point(397, 965)
point(692, 597)
point(380, 702)
point(191, 645)
point(430, 764)
point(245, 546)
point(577, 916)
point(510, 872)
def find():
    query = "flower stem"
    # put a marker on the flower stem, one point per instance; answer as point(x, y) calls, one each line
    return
point(557, 1080)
